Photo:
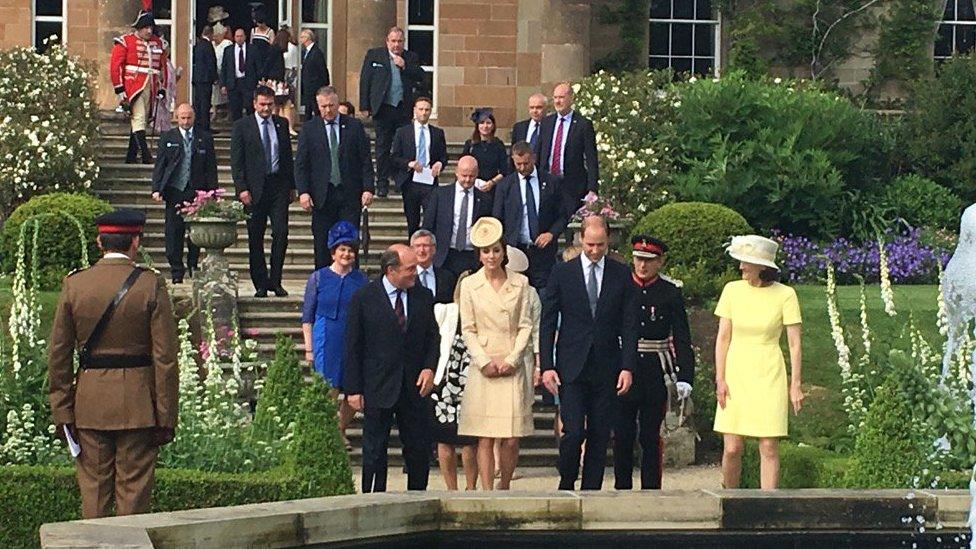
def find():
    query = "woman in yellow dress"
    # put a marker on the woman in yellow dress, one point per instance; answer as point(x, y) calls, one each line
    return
point(496, 327)
point(750, 373)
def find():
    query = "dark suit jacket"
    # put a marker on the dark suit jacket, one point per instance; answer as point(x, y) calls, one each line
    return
point(204, 62)
point(313, 162)
point(203, 163)
point(264, 61)
point(580, 167)
point(611, 335)
point(247, 162)
point(405, 151)
point(520, 131)
point(314, 73)
point(439, 216)
point(508, 206)
point(374, 78)
point(228, 67)
point(379, 356)
point(445, 281)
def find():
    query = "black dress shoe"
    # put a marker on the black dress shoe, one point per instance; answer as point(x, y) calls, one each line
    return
point(261, 293)
point(177, 280)
point(280, 292)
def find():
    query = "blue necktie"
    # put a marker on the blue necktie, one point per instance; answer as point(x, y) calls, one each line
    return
point(422, 147)
point(535, 136)
point(533, 213)
point(266, 139)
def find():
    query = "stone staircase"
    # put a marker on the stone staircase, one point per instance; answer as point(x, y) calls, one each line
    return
point(127, 185)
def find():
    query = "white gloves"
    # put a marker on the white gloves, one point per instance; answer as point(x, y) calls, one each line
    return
point(684, 389)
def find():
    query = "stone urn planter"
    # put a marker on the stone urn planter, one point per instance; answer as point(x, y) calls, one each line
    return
point(213, 234)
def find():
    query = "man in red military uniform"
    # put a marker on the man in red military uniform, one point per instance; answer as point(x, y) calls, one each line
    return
point(138, 71)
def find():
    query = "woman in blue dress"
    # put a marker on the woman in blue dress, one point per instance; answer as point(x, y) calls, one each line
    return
point(325, 310)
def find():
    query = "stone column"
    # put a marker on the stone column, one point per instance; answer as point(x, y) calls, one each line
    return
point(366, 24)
point(566, 42)
point(115, 18)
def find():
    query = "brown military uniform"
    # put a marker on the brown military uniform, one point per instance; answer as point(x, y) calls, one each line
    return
point(115, 411)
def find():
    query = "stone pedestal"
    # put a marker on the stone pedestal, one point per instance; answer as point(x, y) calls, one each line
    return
point(214, 283)
point(679, 447)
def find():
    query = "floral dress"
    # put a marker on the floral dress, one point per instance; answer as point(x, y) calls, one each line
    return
point(447, 397)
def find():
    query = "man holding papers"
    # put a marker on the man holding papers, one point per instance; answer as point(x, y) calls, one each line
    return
point(419, 154)
point(121, 405)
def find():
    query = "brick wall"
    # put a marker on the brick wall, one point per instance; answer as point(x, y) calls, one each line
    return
point(15, 23)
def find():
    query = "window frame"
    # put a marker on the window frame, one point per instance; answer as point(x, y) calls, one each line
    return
point(433, 29)
point(715, 21)
point(953, 24)
point(35, 19)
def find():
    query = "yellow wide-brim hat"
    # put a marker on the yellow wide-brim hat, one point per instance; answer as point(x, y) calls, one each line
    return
point(754, 249)
point(485, 232)
point(517, 260)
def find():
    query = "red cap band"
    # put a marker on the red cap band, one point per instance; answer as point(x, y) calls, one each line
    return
point(647, 247)
point(120, 229)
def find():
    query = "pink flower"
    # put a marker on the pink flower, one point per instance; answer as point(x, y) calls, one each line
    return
point(251, 332)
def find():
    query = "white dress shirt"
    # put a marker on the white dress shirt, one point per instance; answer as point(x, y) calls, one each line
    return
point(589, 265)
point(430, 282)
point(338, 129)
point(184, 134)
point(238, 67)
point(391, 292)
point(567, 122)
point(524, 233)
point(458, 197)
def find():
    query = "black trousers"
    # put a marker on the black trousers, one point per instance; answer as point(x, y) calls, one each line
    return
point(586, 408)
point(458, 261)
point(541, 261)
point(324, 218)
point(311, 108)
point(274, 206)
point(387, 119)
point(240, 100)
point(649, 413)
point(174, 233)
point(202, 99)
point(415, 197)
point(413, 416)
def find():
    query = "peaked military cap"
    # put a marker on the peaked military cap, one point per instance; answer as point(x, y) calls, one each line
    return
point(121, 221)
point(648, 247)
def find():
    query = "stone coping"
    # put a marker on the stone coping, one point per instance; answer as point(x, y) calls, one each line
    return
point(357, 517)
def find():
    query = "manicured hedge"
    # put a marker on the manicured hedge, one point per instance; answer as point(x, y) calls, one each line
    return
point(32, 496)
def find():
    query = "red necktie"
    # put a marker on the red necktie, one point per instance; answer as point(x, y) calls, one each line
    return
point(557, 149)
point(398, 309)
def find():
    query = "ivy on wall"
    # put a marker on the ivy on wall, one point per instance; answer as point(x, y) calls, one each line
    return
point(906, 35)
point(631, 18)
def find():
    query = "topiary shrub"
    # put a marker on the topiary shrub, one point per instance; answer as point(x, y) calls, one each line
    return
point(63, 218)
point(279, 400)
point(317, 455)
point(888, 452)
point(922, 202)
point(695, 233)
point(799, 466)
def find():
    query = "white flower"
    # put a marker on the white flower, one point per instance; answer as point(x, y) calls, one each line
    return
point(777, 80)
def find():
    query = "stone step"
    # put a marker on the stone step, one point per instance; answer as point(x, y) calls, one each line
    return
point(528, 457)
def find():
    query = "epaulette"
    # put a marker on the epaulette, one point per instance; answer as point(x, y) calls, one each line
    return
point(677, 282)
point(76, 271)
point(120, 40)
point(148, 268)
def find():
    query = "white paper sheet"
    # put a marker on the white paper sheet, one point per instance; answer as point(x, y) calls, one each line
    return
point(424, 177)
point(72, 445)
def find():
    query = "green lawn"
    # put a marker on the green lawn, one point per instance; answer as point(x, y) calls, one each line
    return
point(48, 302)
point(822, 422)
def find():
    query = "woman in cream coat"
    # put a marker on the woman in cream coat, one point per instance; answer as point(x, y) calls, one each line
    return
point(496, 326)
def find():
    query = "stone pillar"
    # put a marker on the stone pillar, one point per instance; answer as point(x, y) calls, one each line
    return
point(215, 299)
point(366, 24)
point(115, 18)
point(566, 42)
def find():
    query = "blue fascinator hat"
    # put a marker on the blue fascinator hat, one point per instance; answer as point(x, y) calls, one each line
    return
point(342, 232)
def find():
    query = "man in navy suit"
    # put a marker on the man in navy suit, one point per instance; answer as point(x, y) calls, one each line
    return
point(333, 171)
point(262, 166)
point(314, 72)
point(204, 76)
point(530, 207)
point(185, 163)
point(392, 347)
point(594, 304)
point(439, 281)
point(236, 81)
point(450, 213)
point(386, 92)
point(528, 130)
point(417, 146)
point(567, 148)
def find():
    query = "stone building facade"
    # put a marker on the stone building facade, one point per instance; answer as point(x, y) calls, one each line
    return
point(477, 52)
